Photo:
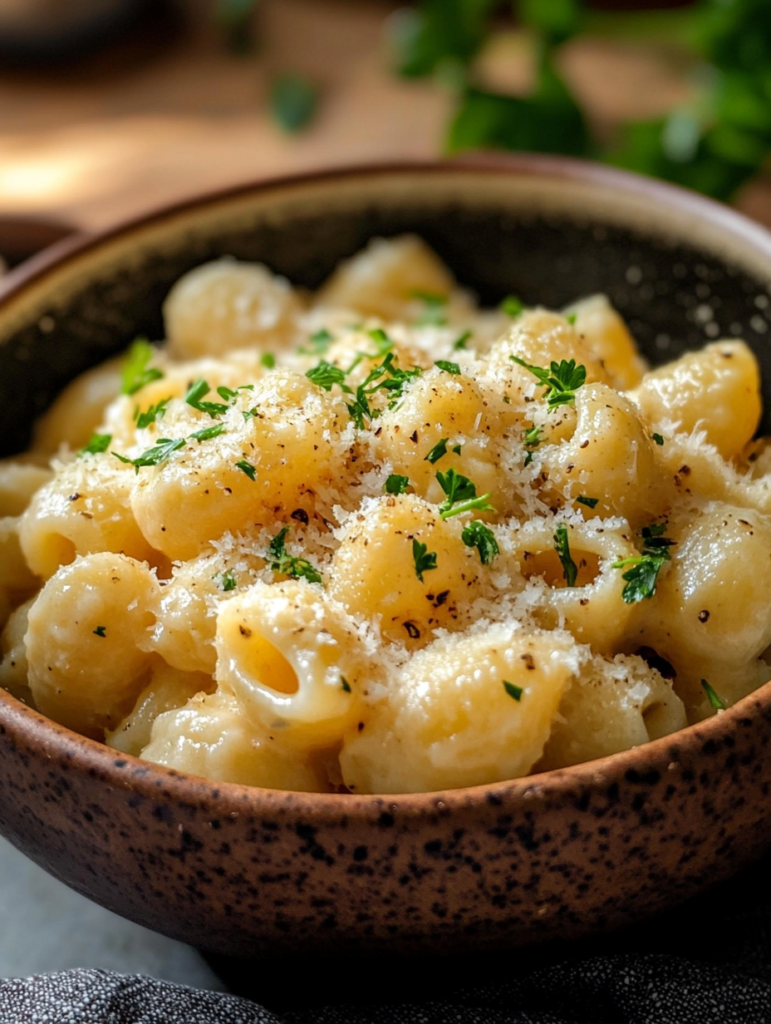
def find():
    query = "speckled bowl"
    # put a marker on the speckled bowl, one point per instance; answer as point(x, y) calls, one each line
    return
point(245, 871)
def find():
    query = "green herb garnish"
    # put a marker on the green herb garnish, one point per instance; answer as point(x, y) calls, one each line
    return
point(571, 319)
point(345, 685)
point(226, 580)
point(715, 701)
point(325, 375)
point(561, 380)
point(562, 547)
point(438, 451)
point(100, 631)
point(194, 397)
point(460, 343)
point(155, 412)
point(589, 502)
point(477, 535)
point(248, 468)
point(423, 558)
point(447, 366)
point(642, 577)
point(135, 373)
point(268, 360)
point(531, 439)
point(512, 306)
point(163, 448)
point(434, 308)
point(657, 438)
point(99, 443)
point(320, 342)
point(207, 433)
point(396, 484)
point(289, 565)
point(513, 690)
point(461, 495)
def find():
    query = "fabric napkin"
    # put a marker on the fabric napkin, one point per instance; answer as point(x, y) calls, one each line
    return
point(708, 962)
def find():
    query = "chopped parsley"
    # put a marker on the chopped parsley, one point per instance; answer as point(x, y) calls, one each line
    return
point(461, 495)
point(423, 558)
point(99, 443)
point(447, 366)
point(658, 439)
point(325, 375)
point(345, 685)
point(163, 448)
point(383, 343)
point(477, 535)
point(571, 319)
point(136, 373)
point(268, 360)
point(531, 439)
point(292, 101)
point(195, 395)
point(513, 690)
point(460, 343)
point(153, 413)
point(287, 564)
point(512, 306)
point(589, 502)
point(396, 484)
point(208, 432)
point(715, 701)
point(642, 577)
point(562, 547)
point(320, 342)
point(561, 380)
point(434, 308)
point(226, 580)
point(248, 468)
point(438, 451)
point(100, 631)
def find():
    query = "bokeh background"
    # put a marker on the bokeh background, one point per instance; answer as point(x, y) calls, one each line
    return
point(112, 107)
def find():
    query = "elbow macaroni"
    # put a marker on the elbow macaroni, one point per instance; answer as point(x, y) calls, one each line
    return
point(382, 541)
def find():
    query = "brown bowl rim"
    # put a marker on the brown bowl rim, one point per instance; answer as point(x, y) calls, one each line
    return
point(65, 747)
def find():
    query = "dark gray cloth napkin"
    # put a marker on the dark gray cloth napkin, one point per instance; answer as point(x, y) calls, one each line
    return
point(708, 962)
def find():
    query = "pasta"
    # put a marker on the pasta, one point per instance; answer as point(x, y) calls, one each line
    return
point(379, 540)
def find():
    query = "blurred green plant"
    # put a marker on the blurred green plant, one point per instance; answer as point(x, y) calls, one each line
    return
point(293, 100)
point(714, 143)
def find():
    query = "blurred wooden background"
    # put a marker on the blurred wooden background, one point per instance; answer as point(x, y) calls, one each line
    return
point(168, 113)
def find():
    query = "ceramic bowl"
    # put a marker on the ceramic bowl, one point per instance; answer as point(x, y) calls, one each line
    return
point(244, 871)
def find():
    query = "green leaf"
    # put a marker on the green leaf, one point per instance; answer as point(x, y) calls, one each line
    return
point(562, 547)
point(248, 468)
point(153, 413)
point(207, 433)
point(561, 380)
point(135, 373)
point(438, 32)
point(642, 577)
point(423, 558)
point(293, 101)
point(513, 690)
point(226, 581)
point(657, 438)
point(460, 343)
point(289, 565)
point(100, 631)
point(194, 397)
point(548, 121)
point(461, 495)
point(478, 535)
point(447, 366)
point(162, 450)
point(396, 484)
point(99, 443)
point(438, 451)
point(715, 701)
point(512, 306)
point(325, 375)
point(320, 342)
point(589, 502)
point(556, 20)
point(268, 360)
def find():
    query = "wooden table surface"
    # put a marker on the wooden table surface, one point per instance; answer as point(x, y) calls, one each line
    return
point(157, 119)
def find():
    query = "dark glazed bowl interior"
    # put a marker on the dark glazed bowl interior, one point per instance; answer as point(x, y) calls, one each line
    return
point(565, 853)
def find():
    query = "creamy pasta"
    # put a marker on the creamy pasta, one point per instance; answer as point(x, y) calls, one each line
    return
point(379, 540)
